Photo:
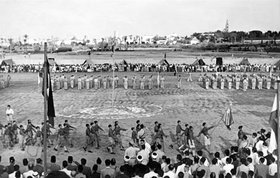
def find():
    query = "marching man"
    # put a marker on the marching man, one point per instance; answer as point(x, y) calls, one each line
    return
point(206, 135)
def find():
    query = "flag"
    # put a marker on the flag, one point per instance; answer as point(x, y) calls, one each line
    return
point(39, 78)
point(227, 118)
point(50, 104)
point(273, 124)
point(164, 56)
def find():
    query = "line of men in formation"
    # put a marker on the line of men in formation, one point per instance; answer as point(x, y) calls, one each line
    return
point(97, 82)
point(236, 81)
point(33, 135)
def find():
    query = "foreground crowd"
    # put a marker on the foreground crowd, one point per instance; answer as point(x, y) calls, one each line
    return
point(249, 158)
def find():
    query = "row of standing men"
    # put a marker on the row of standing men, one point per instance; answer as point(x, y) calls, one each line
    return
point(98, 82)
point(253, 82)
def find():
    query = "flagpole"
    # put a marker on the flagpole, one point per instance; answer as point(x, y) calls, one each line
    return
point(278, 127)
point(45, 108)
point(113, 80)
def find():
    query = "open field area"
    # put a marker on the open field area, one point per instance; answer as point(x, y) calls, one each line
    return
point(150, 56)
point(191, 104)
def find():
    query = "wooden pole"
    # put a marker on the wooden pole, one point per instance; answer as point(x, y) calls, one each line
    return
point(45, 107)
point(113, 68)
point(278, 126)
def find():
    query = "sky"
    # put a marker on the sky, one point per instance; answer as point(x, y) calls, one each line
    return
point(100, 18)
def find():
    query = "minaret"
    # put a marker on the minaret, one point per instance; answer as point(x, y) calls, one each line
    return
point(226, 29)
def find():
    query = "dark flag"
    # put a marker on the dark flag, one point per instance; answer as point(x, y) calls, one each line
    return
point(273, 124)
point(84, 63)
point(227, 118)
point(164, 56)
point(50, 104)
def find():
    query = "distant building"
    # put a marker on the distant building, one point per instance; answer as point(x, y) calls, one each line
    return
point(194, 41)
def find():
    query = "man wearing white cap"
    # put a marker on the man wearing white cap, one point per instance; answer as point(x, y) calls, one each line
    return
point(131, 153)
point(143, 155)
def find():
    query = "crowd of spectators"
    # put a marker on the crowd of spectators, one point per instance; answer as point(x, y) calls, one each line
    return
point(249, 159)
point(142, 67)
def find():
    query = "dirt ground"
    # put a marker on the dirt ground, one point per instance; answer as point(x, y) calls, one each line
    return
point(191, 104)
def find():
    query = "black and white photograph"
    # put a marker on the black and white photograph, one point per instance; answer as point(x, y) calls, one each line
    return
point(139, 88)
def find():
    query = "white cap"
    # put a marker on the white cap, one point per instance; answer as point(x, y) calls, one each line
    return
point(139, 158)
point(154, 155)
point(126, 158)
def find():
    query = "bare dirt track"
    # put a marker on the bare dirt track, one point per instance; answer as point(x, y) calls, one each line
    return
point(191, 104)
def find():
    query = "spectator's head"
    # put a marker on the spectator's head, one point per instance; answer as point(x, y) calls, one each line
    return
point(94, 168)
point(179, 157)
point(214, 161)
point(80, 168)
point(196, 159)
point(212, 175)
point(260, 153)
point(201, 173)
point(17, 175)
point(159, 146)
point(12, 160)
point(98, 161)
point(24, 162)
point(64, 164)
point(9, 106)
point(171, 167)
point(228, 175)
point(178, 122)
point(262, 160)
point(202, 160)
point(233, 172)
point(254, 135)
point(168, 161)
point(16, 167)
point(53, 159)
point(70, 159)
point(204, 124)
point(251, 173)
point(39, 161)
point(113, 162)
point(217, 155)
point(227, 152)
point(132, 128)
point(228, 160)
point(57, 174)
point(181, 175)
point(243, 161)
point(83, 161)
point(107, 162)
point(122, 169)
point(243, 175)
point(199, 152)
point(107, 176)
point(249, 160)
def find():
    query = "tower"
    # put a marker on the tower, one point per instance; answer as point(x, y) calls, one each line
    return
point(226, 29)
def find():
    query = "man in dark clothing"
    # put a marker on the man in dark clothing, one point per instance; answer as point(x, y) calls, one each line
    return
point(39, 166)
point(10, 168)
point(86, 170)
point(122, 174)
point(178, 133)
point(70, 166)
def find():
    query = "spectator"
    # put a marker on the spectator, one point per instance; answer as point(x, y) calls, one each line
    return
point(30, 171)
point(261, 169)
point(95, 174)
point(10, 168)
point(16, 169)
point(108, 170)
point(24, 168)
point(52, 166)
point(59, 174)
point(71, 166)
point(64, 168)
point(39, 166)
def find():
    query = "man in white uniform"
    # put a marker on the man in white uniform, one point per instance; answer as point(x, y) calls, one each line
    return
point(9, 113)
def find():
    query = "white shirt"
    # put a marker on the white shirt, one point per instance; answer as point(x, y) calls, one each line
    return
point(272, 169)
point(171, 174)
point(131, 152)
point(66, 171)
point(150, 174)
point(145, 156)
point(10, 111)
point(227, 168)
point(13, 175)
point(29, 173)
